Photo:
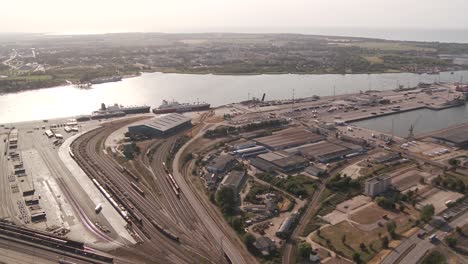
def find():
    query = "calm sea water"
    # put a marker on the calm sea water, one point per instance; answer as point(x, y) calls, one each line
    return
point(152, 88)
point(424, 121)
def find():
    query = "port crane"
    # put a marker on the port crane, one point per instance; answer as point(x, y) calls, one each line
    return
point(411, 129)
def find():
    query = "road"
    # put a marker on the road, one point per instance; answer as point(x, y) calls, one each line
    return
point(412, 249)
point(289, 253)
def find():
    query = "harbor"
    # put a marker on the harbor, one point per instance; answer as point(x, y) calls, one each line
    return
point(151, 88)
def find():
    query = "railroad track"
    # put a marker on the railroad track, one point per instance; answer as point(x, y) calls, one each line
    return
point(166, 223)
point(52, 243)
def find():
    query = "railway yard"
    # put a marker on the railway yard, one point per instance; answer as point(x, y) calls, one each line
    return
point(242, 183)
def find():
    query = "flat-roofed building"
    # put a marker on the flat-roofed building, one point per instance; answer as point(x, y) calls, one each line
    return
point(249, 152)
point(288, 138)
point(221, 163)
point(242, 144)
point(325, 151)
point(161, 126)
point(284, 161)
point(234, 180)
point(377, 185)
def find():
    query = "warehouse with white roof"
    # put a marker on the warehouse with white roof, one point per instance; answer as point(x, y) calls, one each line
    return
point(161, 126)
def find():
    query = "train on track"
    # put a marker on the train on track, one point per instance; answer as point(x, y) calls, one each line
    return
point(126, 171)
point(175, 187)
point(123, 213)
point(138, 189)
point(51, 241)
point(165, 231)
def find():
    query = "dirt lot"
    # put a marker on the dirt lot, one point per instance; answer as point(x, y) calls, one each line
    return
point(370, 214)
point(352, 204)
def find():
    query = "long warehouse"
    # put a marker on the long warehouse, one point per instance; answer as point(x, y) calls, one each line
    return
point(161, 126)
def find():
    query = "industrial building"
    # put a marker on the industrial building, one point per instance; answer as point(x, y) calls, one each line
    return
point(325, 151)
point(242, 144)
point(314, 171)
point(288, 138)
point(221, 164)
point(249, 152)
point(161, 126)
point(283, 161)
point(234, 180)
point(377, 185)
point(456, 137)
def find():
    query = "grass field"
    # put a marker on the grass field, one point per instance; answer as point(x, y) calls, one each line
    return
point(30, 77)
point(392, 46)
point(354, 237)
point(373, 59)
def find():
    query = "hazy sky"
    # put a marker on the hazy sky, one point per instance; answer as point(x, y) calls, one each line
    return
point(224, 15)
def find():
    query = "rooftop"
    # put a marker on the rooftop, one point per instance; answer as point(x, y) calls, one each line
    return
point(321, 148)
point(221, 161)
point(288, 138)
point(378, 178)
point(168, 121)
point(234, 178)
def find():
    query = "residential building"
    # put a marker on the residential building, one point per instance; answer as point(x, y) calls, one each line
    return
point(377, 185)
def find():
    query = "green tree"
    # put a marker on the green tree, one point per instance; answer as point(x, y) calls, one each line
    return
point(434, 257)
point(226, 200)
point(236, 224)
point(451, 241)
point(427, 212)
point(391, 227)
point(385, 242)
point(304, 250)
point(357, 257)
point(363, 247)
point(249, 239)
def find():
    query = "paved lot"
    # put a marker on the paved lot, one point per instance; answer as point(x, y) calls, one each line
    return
point(438, 198)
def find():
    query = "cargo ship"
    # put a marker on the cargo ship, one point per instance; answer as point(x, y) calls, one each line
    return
point(137, 109)
point(176, 107)
point(118, 111)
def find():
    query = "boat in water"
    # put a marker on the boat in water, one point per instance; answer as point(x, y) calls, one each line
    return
point(176, 107)
point(117, 110)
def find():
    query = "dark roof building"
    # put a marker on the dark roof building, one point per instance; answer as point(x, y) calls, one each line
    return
point(265, 245)
point(314, 171)
point(285, 162)
point(325, 151)
point(221, 163)
point(288, 138)
point(161, 126)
